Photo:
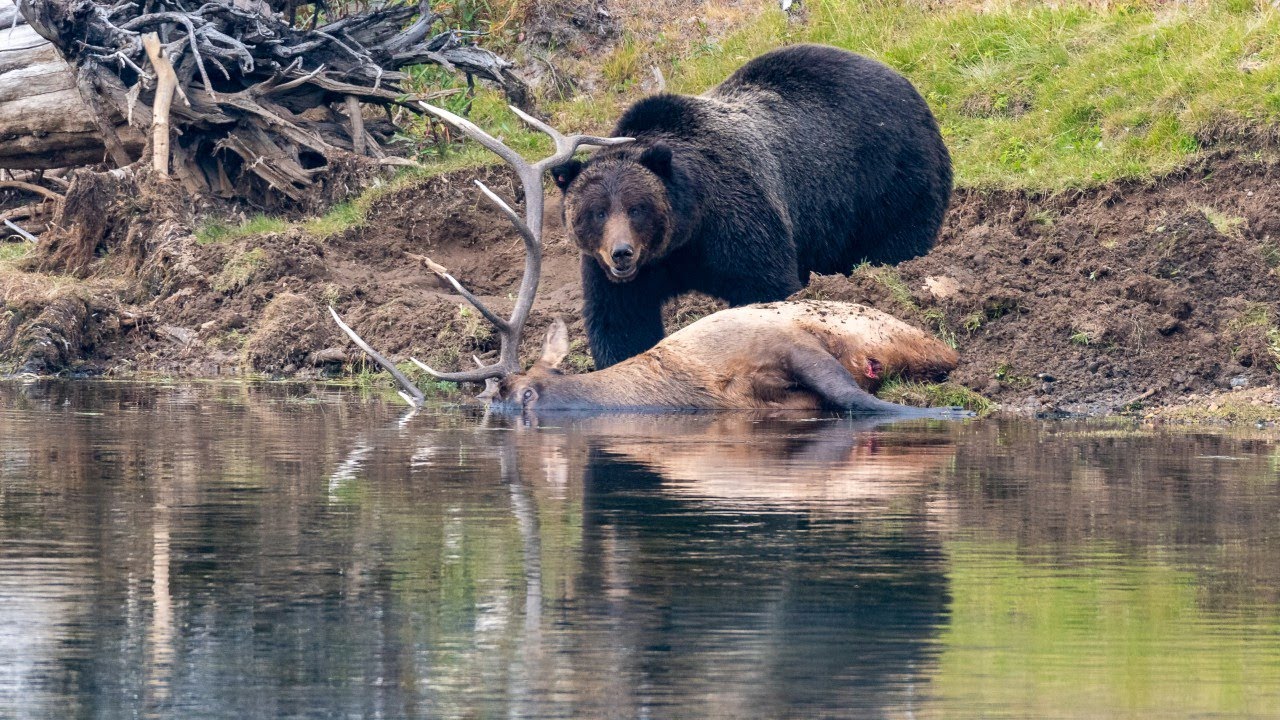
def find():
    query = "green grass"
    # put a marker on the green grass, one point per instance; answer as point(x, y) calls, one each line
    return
point(12, 252)
point(218, 231)
point(1228, 225)
point(1027, 95)
point(239, 270)
point(1255, 314)
point(945, 394)
point(371, 377)
point(888, 278)
point(1035, 96)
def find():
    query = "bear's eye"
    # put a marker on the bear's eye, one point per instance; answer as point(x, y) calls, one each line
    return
point(635, 212)
point(600, 215)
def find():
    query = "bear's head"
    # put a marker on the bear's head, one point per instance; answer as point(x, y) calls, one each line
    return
point(617, 207)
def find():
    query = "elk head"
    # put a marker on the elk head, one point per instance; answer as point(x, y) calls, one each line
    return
point(500, 377)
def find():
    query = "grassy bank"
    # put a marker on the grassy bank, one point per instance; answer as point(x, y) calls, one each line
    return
point(1028, 96)
point(1045, 97)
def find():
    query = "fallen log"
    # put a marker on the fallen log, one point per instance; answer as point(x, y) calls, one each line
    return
point(44, 123)
point(263, 110)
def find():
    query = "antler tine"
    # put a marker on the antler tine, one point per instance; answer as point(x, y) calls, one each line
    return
point(525, 231)
point(443, 273)
point(566, 146)
point(513, 158)
point(477, 375)
point(537, 124)
point(411, 393)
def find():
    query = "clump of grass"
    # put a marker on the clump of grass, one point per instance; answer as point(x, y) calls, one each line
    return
point(474, 325)
point(1271, 256)
point(622, 67)
point(991, 311)
point(1005, 373)
point(1081, 337)
point(938, 319)
point(945, 394)
point(218, 231)
point(239, 270)
point(233, 340)
point(12, 252)
point(1255, 314)
point(370, 377)
point(340, 218)
point(1228, 225)
point(888, 278)
point(579, 360)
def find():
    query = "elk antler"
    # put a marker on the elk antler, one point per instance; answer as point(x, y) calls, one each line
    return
point(530, 229)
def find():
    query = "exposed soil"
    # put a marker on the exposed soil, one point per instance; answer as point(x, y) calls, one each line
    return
point(1123, 297)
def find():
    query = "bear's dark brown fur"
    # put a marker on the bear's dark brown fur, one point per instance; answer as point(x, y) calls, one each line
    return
point(807, 159)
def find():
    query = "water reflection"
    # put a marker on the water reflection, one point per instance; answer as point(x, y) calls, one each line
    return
point(275, 552)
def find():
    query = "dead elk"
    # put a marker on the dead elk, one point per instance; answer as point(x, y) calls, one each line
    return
point(789, 355)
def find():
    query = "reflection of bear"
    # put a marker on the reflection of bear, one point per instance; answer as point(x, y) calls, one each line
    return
point(807, 159)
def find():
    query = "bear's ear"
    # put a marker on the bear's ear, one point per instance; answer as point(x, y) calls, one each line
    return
point(657, 158)
point(565, 173)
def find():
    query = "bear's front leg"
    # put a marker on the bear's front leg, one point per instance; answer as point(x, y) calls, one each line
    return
point(622, 319)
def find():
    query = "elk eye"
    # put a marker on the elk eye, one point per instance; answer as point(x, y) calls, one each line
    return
point(526, 396)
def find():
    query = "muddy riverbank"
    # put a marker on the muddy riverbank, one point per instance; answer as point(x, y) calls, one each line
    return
point(1130, 296)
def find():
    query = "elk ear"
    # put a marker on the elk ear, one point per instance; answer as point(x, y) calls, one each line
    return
point(657, 158)
point(556, 346)
point(565, 173)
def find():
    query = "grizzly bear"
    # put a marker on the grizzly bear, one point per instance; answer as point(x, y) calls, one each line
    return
point(807, 159)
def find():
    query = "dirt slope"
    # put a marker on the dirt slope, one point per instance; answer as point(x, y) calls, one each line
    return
point(1130, 295)
point(1125, 296)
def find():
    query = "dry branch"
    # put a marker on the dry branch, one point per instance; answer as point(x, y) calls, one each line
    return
point(166, 84)
point(31, 188)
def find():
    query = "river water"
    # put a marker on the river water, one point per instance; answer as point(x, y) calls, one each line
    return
point(236, 551)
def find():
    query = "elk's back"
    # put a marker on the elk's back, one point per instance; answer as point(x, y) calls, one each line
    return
point(755, 337)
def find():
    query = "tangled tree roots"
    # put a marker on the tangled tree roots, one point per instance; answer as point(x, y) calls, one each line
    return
point(84, 222)
point(263, 110)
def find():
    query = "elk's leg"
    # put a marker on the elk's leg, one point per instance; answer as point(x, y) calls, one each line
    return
point(824, 375)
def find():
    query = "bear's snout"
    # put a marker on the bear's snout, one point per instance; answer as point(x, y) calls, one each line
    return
point(623, 255)
point(618, 252)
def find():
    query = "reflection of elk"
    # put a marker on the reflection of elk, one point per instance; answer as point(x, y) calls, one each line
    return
point(801, 355)
point(773, 460)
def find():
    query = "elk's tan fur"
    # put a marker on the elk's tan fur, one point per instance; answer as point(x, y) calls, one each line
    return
point(741, 358)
